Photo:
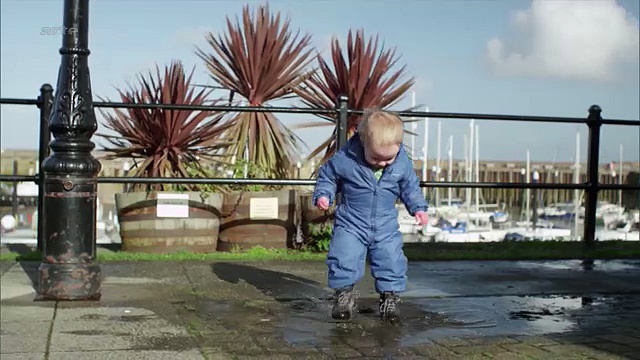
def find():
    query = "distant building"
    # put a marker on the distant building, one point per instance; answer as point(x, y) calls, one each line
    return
point(28, 165)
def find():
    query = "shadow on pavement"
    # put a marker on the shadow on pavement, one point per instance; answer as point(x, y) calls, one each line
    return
point(281, 286)
point(29, 267)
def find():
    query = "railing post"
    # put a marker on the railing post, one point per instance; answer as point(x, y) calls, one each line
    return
point(594, 122)
point(534, 200)
point(69, 270)
point(341, 121)
point(14, 193)
point(46, 101)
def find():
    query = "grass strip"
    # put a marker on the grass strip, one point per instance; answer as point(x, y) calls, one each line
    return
point(522, 250)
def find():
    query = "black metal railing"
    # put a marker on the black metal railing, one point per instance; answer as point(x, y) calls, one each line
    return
point(67, 177)
point(594, 122)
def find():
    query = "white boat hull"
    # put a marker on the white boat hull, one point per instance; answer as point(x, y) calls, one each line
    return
point(609, 235)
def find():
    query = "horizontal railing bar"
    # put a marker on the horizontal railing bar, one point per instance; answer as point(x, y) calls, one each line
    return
point(489, 185)
point(517, 118)
point(10, 101)
point(621, 122)
point(293, 110)
point(472, 116)
point(311, 182)
point(261, 109)
point(539, 186)
point(205, 181)
point(443, 115)
point(618, 187)
point(19, 178)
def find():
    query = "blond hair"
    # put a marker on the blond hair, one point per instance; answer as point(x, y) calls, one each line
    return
point(381, 128)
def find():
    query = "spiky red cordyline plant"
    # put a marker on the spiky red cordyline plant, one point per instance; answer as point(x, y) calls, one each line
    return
point(367, 76)
point(260, 59)
point(162, 141)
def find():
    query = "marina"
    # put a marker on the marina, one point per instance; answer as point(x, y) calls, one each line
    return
point(463, 225)
point(486, 215)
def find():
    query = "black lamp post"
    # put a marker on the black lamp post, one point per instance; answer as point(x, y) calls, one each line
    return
point(69, 270)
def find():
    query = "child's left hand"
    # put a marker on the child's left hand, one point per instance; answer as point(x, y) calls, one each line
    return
point(422, 218)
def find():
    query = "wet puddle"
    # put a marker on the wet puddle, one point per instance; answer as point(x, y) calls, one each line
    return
point(307, 322)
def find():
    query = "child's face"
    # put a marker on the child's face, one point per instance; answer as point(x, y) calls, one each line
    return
point(380, 156)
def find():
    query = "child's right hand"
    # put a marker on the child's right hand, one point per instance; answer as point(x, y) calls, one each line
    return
point(322, 203)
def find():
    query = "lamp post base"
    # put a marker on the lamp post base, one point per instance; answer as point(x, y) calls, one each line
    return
point(69, 281)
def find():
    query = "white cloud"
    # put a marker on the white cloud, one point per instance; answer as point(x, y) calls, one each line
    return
point(571, 39)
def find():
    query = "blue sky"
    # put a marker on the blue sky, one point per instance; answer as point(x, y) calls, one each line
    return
point(568, 56)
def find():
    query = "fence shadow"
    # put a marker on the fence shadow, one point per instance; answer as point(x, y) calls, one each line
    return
point(281, 286)
point(30, 267)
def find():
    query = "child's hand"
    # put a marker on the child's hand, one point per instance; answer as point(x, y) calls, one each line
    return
point(422, 218)
point(322, 203)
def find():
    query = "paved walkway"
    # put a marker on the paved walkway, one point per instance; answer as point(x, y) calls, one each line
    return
point(280, 310)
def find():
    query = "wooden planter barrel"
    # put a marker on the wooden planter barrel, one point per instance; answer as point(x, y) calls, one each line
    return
point(239, 231)
point(141, 230)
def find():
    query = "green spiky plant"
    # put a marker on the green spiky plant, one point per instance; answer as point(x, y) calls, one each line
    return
point(261, 60)
point(368, 76)
point(163, 142)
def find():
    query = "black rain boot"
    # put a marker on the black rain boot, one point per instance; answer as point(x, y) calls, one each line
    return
point(389, 310)
point(344, 304)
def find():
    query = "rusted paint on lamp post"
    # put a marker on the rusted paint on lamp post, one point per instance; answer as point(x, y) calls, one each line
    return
point(69, 270)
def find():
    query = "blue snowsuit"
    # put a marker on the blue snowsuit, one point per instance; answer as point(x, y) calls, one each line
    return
point(366, 217)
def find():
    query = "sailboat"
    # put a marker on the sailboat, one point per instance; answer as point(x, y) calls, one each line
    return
point(468, 220)
point(625, 230)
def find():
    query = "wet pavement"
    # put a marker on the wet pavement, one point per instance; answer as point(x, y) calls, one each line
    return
point(280, 310)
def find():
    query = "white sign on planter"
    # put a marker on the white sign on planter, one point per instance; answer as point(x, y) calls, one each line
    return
point(263, 208)
point(172, 205)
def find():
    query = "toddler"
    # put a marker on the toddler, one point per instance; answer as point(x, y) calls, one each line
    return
point(370, 172)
